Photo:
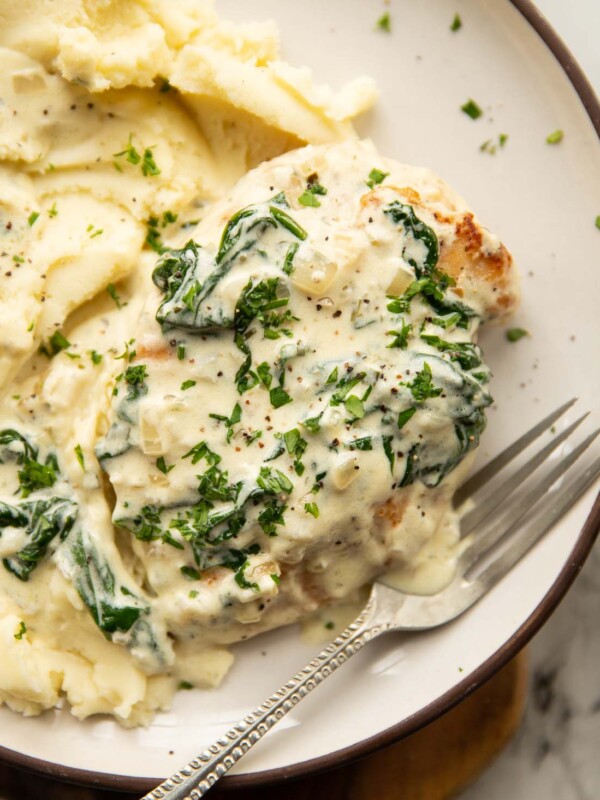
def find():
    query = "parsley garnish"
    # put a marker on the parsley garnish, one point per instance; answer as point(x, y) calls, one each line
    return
point(148, 164)
point(404, 416)
point(288, 261)
point(114, 294)
point(272, 481)
point(56, 343)
point(471, 109)
point(312, 424)
point(161, 464)
point(598, 222)
point(365, 443)
point(135, 377)
point(79, 455)
point(312, 508)
point(180, 352)
point(514, 334)
point(233, 419)
point(456, 23)
point(279, 397)
point(555, 137)
point(384, 23)
point(295, 446)
point(354, 406)
point(388, 450)
point(200, 451)
point(309, 195)
point(401, 336)
point(95, 357)
point(187, 385)
point(21, 631)
point(275, 578)
point(271, 516)
point(32, 218)
point(184, 685)
point(53, 211)
point(376, 176)
point(190, 573)
point(422, 387)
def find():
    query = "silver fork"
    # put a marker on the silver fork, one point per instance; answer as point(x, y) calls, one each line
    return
point(482, 563)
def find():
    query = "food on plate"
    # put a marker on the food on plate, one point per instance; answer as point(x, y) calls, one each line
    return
point(224, 407)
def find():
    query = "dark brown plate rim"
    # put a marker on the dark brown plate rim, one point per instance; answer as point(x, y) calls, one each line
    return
point(484, 672)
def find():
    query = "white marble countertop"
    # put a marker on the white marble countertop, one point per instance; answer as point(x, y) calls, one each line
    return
point(556, 752)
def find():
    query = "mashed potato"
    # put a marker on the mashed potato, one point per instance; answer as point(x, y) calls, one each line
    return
point(199, 448)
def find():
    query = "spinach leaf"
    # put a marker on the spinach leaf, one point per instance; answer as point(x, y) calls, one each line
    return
point(415, 230)
point(44, 521)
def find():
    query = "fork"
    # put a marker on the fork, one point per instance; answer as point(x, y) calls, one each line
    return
point(482, 563)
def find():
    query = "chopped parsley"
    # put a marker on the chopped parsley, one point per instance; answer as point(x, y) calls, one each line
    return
point(31, 219)
point(456, 24)
point(190, 573)
point(514, 334)
point(312, 508)
point(389, 451)
point(18, 259)
point(93, 233)
point(401, 336)
point(56, 343)
point(279, 397)
point(233, 419)
point(288, 261)
point(309, 195)
point(275, 578)
point(376, 176)
point(555, 137)
point(295, 446)
point(384, 23)
point(354, 406)
point(132, 156)
point(53, 211)
point(21, 631)
point(471, 109)
point(312, 424)
point(183, 685)
point(187, 385)
point(161, 465)
point(135, 378)
point(490, 146)
point(79, 456)
point(180, 352)
point(598, 221)
point(114, 295)
point(404, 416)
point(95, 357)
point(421, 386)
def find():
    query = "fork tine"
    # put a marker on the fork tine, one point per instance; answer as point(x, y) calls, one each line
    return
point(475, 517)
point(503, 524)
point(481, 477)
point(565, 497)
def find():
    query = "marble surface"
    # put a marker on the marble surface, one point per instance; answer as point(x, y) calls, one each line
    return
point(555, 754)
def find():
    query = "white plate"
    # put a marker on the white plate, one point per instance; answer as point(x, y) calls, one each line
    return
point(542, 200)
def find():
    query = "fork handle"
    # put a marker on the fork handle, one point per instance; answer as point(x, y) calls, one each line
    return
point(194, 780)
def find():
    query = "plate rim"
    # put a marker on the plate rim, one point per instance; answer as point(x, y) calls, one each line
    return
point(458, 693)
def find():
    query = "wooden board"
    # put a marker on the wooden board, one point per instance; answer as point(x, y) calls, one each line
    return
point(432, 764)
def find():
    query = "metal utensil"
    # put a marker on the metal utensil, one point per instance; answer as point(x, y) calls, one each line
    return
point(493, 544)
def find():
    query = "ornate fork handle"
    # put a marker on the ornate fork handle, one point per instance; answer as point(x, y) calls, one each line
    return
point(195, 779)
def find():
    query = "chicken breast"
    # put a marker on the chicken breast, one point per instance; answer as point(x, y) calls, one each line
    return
point(305, 392)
